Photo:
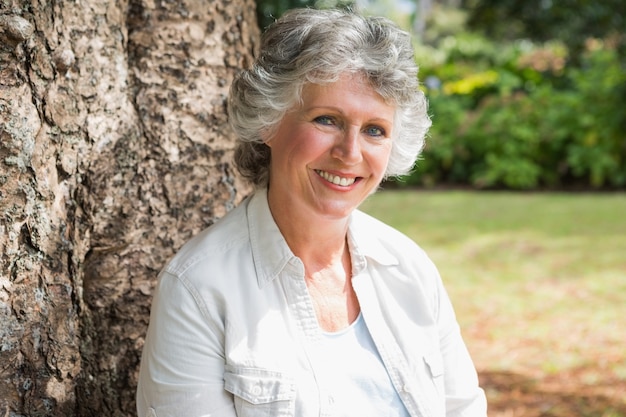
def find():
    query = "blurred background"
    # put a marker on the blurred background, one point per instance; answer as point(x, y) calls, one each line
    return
point(519, 195)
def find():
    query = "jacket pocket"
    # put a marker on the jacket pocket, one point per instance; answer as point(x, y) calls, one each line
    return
point(260, 392)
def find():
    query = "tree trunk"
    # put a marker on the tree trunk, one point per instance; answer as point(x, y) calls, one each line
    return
point(114, 150)
point(423, 10)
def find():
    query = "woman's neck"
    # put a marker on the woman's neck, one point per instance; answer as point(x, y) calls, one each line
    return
point(321, 244)
point(317, 240)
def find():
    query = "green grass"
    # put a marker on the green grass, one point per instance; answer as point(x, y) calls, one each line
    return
point(538, 280)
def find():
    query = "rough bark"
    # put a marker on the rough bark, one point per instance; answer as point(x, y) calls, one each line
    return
point(114, 150)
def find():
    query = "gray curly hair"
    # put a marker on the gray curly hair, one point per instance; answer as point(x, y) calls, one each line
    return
point(318, 46)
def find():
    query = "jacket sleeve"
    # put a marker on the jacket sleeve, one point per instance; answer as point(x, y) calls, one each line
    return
point(182, 365)
point(464, 397)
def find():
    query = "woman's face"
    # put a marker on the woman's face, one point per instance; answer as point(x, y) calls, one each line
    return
point(331, 152)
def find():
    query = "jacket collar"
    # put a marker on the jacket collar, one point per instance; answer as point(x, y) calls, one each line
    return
point(270, 251)
point(364, 235)
point(271, 254)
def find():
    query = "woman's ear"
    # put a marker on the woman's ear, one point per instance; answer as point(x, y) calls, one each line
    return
point(267, 135)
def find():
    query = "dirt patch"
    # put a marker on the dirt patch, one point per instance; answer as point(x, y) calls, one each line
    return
point(582, 392)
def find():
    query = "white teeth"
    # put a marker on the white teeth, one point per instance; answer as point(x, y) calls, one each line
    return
point(337, 180)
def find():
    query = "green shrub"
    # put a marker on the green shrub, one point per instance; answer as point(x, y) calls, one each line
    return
point(529, 122)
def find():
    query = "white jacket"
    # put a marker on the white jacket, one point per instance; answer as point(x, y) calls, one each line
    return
point(233, 331)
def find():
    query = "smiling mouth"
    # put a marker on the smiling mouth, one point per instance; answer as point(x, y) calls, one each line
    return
point(335, 179)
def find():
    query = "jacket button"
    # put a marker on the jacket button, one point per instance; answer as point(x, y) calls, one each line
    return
point(256, 390)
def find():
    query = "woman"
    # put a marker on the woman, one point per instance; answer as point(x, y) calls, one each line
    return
point(295, 303)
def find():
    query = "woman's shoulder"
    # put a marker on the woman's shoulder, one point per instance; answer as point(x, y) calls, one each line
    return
point(387, 244)
point(395, 252)
point(230, 233)
point(372, 228)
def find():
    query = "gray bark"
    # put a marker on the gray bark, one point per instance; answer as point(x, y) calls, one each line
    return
point(114, 150)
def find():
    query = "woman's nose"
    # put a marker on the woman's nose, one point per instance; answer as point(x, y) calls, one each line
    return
point(348, 147)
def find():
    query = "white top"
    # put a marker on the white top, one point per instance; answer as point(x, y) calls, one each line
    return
point(233, 331)
point(360, 385)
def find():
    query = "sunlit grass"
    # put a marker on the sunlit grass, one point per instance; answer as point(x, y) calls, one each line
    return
point(538, 280)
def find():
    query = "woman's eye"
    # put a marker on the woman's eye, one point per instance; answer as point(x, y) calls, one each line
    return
point(325, 120)
point(375, 131)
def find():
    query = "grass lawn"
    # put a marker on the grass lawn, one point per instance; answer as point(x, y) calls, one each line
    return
point(538, 281)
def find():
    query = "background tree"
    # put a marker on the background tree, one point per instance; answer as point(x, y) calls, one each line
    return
point(114, 150)
point(571, 21)
point(270, 10)
point(267, 11)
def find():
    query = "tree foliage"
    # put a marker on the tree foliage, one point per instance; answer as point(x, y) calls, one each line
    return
point(269, 10)
point(571, 21)
point(520, 115)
